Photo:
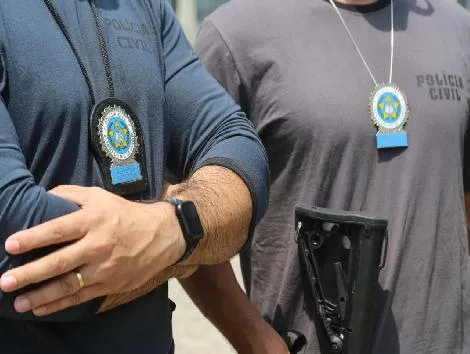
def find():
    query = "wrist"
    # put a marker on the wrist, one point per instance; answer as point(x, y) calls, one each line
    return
point(190, 224)
point(174, 232)
point(262, 339)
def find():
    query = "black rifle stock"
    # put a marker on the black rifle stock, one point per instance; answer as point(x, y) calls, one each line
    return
point(342, 254)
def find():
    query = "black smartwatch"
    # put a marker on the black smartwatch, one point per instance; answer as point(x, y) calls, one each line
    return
point(190, 223)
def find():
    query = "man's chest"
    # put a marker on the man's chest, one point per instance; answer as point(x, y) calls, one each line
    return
point(47, 87)
point(318, 88)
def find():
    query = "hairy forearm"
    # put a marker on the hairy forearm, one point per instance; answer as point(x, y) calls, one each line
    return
point(216, 292)
point(224, 204)
point(225, 208)
point(176, 271)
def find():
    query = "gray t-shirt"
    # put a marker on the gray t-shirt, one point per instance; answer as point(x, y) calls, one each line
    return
point(292, 67)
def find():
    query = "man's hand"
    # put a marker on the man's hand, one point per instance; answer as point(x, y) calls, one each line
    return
point(115, 246)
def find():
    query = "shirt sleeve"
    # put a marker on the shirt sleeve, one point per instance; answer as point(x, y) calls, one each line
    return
point(218, 60)
point(207, 126)
point(24, 204)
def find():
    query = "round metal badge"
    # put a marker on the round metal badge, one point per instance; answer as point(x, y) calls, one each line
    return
point(118, 137)
point(389, 108)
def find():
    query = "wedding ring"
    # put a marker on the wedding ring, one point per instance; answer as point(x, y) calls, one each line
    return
point(81, 282)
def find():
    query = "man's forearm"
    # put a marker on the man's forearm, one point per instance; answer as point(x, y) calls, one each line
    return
point(176, 271)
point(224, 204)
point(216, 292)
point(225, 207)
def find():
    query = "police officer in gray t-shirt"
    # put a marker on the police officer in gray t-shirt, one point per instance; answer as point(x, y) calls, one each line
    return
point(307, 73)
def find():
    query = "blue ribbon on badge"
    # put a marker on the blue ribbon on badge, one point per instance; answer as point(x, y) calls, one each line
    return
point(389, 140)
point(126, 173)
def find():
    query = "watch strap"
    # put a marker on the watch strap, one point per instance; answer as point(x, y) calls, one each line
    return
point(191, 240)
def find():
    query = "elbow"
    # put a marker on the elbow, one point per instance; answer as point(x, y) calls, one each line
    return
point(18, 201)
point(235, 144)
point(23, 204)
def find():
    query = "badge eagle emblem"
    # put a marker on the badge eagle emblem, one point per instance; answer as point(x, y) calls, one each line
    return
point(117, 134)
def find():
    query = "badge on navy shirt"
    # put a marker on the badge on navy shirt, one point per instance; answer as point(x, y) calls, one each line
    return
point(389, 111)
point(118, 145)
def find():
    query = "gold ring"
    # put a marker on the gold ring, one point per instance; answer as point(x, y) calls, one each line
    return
point(81, 282)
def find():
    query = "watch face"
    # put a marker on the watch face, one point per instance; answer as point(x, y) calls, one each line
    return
point(191, 218)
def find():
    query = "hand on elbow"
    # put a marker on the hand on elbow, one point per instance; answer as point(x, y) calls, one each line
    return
point(114, 246)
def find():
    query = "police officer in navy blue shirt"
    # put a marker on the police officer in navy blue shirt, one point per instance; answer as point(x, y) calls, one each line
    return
point(98, 99)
